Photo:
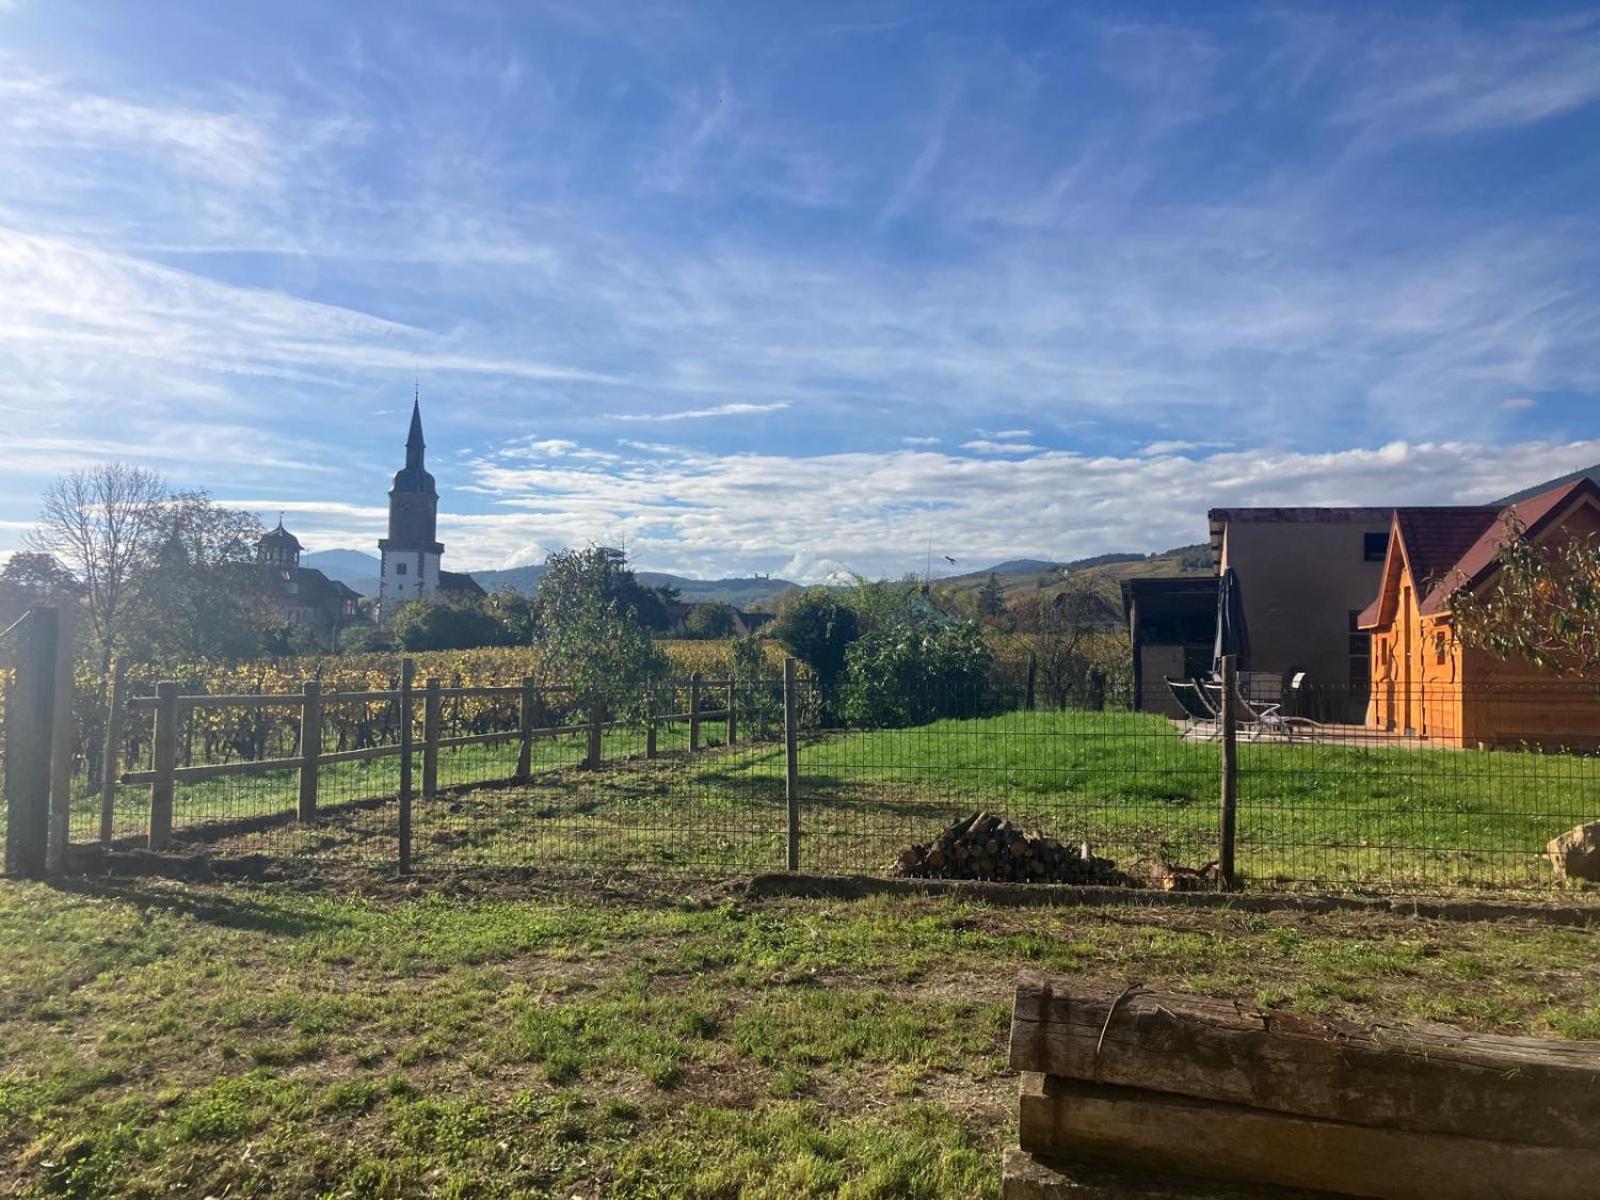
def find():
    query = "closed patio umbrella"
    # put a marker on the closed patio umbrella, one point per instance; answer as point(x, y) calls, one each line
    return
point(1232, 637)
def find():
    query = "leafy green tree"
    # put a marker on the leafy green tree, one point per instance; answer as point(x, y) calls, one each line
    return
point(447, 623)
point(609, 568)
point(200, 592)
point(591, 643)
point(817, 627)
point(31, 578)
point(912, 674)
point(992, 598)
point(518, 615)
point(708, 620)
point(1542, 604)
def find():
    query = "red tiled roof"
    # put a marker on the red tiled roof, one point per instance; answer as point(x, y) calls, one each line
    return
point(1477, 559)
point(1436, 538)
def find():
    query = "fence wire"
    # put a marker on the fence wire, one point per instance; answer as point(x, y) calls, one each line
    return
point(1390, 788)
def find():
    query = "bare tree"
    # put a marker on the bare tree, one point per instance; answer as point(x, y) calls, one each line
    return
point(102, 525)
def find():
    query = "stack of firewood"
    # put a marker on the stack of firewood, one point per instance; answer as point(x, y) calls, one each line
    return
point(986, 846)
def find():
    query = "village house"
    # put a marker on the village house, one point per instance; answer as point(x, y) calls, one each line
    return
point(1426, 683)
point(303, 596)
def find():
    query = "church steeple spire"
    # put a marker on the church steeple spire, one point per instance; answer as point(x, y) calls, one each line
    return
point(414, 443)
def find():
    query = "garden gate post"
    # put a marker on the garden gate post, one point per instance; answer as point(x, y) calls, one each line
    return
point(112, 751)
point(1229, 812)
point(164, 758)
point(791, 755)
point(694, 712)
point(61, 738)
point(525, 731)
point(432, 717)
point(733, 718)
point(310, 747)
point(408, 669)
point(28, 713)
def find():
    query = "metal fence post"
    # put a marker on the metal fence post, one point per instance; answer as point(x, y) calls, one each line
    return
point(650, 723)
point(407, 673)
point(310, 747)
point(694, 712)
point(28, 712)
point(164, 759)
point(61, 737)
point(1033, 677)
point(1229, 812)
point(431, 719)
point(592, 758)
point(733, 718)
point(112, 750)
point(791, 755)
point(525, 731)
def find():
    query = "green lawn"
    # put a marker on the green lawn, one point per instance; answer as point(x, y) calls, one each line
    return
point(1126, 783)
point(255, 1041)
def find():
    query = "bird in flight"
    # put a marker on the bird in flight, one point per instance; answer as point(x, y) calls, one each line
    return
point(950, 560)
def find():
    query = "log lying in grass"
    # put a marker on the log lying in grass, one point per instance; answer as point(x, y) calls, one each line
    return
point(986, 846)
point(1425, 1079)
point(1068, 1118)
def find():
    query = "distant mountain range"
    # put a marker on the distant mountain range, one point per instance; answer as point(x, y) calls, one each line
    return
point(359, 570)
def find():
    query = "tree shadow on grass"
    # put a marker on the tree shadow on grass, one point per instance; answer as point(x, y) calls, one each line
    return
point(230, 910)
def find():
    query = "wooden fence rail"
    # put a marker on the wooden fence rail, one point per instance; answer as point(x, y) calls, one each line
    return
point(169, 706)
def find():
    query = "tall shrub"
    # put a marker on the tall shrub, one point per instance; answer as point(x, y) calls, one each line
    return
point(908, 674)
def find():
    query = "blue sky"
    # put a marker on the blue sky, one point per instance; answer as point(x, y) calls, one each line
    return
point(792, 288)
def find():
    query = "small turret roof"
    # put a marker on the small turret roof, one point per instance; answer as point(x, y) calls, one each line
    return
point(279, 536)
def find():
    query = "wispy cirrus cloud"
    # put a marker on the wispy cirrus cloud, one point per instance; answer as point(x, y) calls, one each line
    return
point(986, 446)
point(697, 414)
point(1436, 77)
point(1128, 239)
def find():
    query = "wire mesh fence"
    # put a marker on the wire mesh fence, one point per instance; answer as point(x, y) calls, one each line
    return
point(1392, 787)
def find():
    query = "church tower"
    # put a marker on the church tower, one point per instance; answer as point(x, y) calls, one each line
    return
point(411, 552)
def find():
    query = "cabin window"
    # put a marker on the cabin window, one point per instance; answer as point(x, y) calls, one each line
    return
point(1375, 547)
point(1439, 648)
point(1360, 650)
point(399, 568)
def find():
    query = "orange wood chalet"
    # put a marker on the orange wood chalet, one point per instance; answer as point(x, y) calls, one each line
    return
point(1424, 682)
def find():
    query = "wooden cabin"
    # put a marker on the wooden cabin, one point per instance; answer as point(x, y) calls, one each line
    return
point(1425, 683)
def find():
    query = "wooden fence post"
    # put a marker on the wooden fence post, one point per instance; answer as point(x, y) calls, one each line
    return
point(112, 750)
point(525, 731)
point(791, 755)
point(432, 714)
point(733, 718)
point(694, 712)
point(310, 747)
point(1229, 813)
point(164, 759)
point(28, 718)
point(407, 672)
point(61, 737)
point(1033, 677)
point(592, 758)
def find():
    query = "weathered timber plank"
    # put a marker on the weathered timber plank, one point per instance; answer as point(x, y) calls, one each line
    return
point(1156, 1131)
point(1426, 1078)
